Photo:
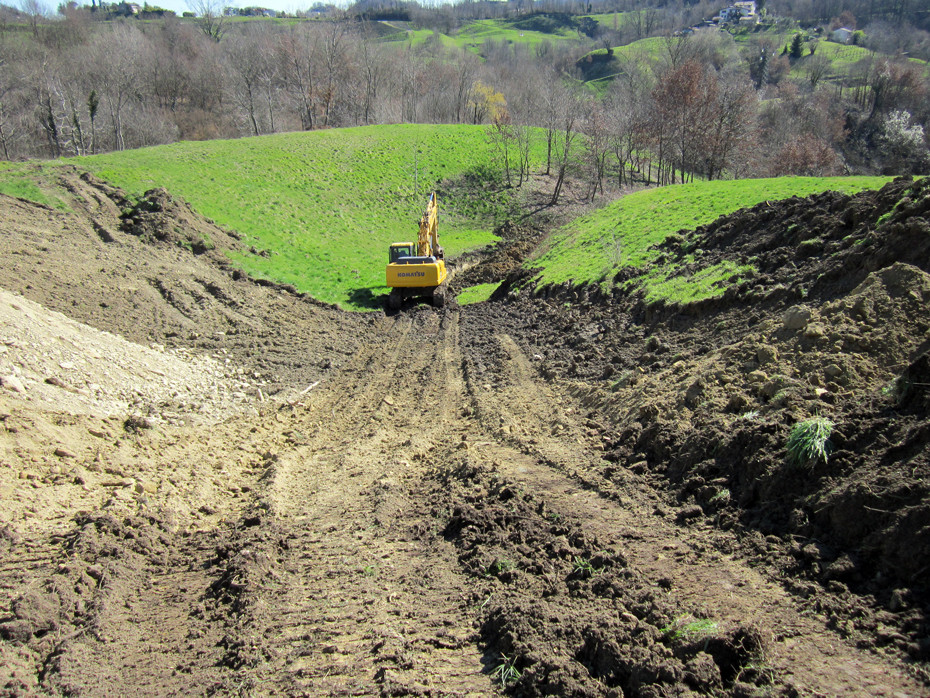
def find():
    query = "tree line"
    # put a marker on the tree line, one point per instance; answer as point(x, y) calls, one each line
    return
point(701, 108)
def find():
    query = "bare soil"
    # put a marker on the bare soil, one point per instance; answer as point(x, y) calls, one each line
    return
point(210, 485)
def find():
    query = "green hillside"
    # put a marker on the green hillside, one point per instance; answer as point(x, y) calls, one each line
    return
point(476, 34)
point(592, 249)
point(843, 61)
point(325, 204)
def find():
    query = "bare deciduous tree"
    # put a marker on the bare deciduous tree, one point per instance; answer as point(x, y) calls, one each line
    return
point(119, 56)
point(251, 59)
point(211, 17)
point(596, 144)
point(732, 125)
point(372, 66)
point(568, 106)
point(816, 67)
point(296, 57)
point(8, 83)
point(35, 11)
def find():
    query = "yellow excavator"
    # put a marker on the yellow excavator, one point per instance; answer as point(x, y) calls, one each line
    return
point(418, 269)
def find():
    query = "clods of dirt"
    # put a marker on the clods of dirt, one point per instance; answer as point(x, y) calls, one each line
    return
point(701, 399)
point(158, 216)
point(566, 614)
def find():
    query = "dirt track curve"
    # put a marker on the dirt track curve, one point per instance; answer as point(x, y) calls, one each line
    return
point(419, 517)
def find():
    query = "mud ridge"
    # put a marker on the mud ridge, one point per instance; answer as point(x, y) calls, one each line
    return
point(700, 399)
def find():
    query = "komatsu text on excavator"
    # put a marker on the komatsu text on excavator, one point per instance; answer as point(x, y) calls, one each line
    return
point(418, 269)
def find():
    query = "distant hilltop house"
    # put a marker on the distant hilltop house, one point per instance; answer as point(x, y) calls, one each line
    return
point(740, 13)
point(126, 9)
point(131, 9)
point(843, 35)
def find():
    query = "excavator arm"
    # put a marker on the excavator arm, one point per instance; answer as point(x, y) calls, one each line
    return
point(428, 241)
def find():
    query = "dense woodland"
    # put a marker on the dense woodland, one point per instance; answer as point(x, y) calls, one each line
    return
point(703, 104)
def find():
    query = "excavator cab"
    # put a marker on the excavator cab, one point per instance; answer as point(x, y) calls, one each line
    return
point(401, 249)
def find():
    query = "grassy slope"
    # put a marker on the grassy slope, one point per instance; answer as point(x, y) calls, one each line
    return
point(644, 50)
point(591, 249)
point(473, 35)
point(843, 59)
point(31, 182)
point(476, 294)
point(326, 204)
point(614, 20)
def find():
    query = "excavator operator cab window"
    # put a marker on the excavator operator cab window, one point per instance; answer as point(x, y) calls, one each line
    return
point(403, 249)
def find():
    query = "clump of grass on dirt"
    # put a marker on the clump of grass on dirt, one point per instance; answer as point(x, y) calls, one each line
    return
point(584, 568)
point(688, 629)
point(326, 204)
point(592, 249)
point(506, 672)
point(501, 566)
point(809, 442)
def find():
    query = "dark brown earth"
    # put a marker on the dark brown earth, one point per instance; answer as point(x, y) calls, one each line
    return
point(555, 493)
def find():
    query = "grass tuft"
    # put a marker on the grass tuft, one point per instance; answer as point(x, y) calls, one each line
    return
point(809, 442)
point(506, 672)
point(584, 568)
point(687, 629)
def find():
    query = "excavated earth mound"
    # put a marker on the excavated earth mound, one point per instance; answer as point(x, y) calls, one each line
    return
point(154, 272)
point(701, 399)
point(211, 484)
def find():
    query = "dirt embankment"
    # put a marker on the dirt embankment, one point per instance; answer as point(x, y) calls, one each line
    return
point(154, 272)
point(273, 498)
point(700, 400)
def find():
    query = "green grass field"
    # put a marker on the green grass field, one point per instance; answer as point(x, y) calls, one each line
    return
point(645, 50)
point(325, 204)
point(474, 35)
point(844, 59)
point(591, 249)
point(476, 294)
point(614, 20)
point(31, 182)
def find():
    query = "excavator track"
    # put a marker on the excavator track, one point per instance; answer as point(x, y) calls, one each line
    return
point(436, 295)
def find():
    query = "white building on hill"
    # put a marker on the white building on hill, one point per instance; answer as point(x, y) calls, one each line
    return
point(739, 11)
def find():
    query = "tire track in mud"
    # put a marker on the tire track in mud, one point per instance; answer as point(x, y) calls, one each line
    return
point(538, 445)
point(364, 598)
point(109, 605)
point(428, 512)
point(22, 565)
point(153, 632)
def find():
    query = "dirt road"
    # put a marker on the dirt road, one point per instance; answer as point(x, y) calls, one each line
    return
point(421, 508)
point(382, 548)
